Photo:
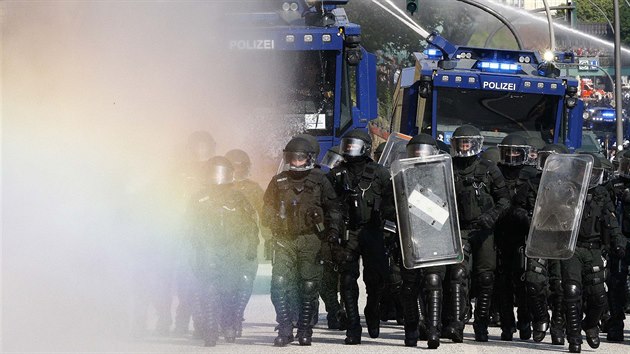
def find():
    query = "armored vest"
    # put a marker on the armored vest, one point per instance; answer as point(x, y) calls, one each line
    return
point(472, 186)
point(225, 222)
point(299, 204)
point(590, 226)
point(362, 194)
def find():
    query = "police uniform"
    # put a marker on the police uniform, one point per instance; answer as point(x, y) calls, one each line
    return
point(223, 234)
point(482, 198)
point(297, 204)
point(363, 186)
point(618, 297)
point(583, 273)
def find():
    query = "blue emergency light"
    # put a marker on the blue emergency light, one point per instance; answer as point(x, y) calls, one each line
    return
point(499, 67)
point(433, 53)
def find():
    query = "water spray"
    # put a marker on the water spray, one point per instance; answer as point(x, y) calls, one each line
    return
point(561, 26)
point(414, 27)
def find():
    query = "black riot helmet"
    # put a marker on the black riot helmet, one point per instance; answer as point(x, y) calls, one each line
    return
point(548, 150)
point(466, 141)
point(299, 155)
point(492, 154)
point(597, 173)
point(357, 143)
point(241, 163)
point(422, 145)
point(624, 164)
point(200, 146)
point(332, 158)
point(219, 171)
point(379, 151)
point(513, 150)
point(312, 140)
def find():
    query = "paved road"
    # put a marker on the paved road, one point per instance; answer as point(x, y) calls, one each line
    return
point(258, 334)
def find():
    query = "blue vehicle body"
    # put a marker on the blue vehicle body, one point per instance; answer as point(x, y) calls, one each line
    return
point(320, 48)
point(602, 121)
point(498, 91)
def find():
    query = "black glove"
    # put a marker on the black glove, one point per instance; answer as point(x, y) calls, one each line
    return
point(619, 252)
point(332, 236)
point(485, 221)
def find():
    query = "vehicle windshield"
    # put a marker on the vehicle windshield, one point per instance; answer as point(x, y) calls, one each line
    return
point(495, 113)
point(300, 85)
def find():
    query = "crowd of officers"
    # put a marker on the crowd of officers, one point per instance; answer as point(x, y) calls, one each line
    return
point(323, 223)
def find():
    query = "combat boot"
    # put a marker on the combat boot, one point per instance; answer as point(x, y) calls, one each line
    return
point(592, 337)
point(332, 321)
point(350, 293)
point(372, 319)
point(507, 334)
point(524, 330)
point(411, 334)
point(481, 331)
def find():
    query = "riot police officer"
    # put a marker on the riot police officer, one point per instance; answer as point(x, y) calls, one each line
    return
point(510, 234)
point(583, 274)
point(366, 193)
point(482, 197)
point(254, 194)
point(427, 316)
point(300, 208)
point(556, 292)
point(223, 233)
point(619, 266)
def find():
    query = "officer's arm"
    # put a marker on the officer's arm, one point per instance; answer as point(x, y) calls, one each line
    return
point(500, 194)
point(388, 207)
point(611, 233)
point(270, 200)
point(250, 228)
point(332, 209)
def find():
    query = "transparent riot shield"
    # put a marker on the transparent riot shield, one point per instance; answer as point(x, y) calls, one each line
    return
point(428, 225)
point(395, 149)
point(558, 211)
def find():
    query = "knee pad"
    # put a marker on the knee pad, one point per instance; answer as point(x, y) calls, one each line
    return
point(485, 279)
point(309, 288)
point(433, 281)
point(534, 289)
point(459, 275)
point(572, 292)
point(278, 282)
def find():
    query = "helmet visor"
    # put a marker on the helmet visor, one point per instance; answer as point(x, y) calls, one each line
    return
point(298, 161)
point(331, 159)
point(352, 147)
point(464, 146)
point(218, 175)
point(513, 155)
point(421, 150)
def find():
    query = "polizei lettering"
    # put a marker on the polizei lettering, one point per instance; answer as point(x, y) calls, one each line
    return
point(503, 86)
point(256, 44)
